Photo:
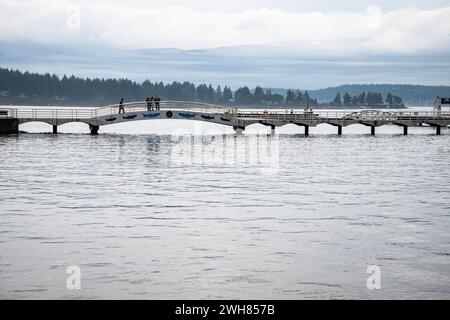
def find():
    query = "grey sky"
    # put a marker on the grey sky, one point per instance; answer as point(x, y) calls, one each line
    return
point(295, 5)
point(332, 42)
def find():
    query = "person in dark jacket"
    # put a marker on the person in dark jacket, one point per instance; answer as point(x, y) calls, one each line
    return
point(157, 101)
point(121, 109)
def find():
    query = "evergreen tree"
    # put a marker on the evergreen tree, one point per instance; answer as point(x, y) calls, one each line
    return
point(369, 98)
point(188, 91)
point(211, 94)
point(243, 96)
point(290, 97)
point(300, 100)
point(374, 98)
point(347, 99)
point(362, 98)
point(258, 95)
point(337, 100)
point(397, 101)
point(306, 99)
point(227, 94)
point(389, 99)
point(203, 92)
point(277, 99)
point(219, 95)
point(268, 96)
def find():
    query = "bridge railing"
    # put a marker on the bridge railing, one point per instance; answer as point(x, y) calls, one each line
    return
point(270, 114)
point(365, 115)
point(379, 115)
point(163, 105)
point(62, 113)
point(274, 115)
point(8, 113)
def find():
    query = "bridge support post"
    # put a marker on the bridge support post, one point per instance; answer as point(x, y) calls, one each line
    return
point(438, 130)
point(339, 130)
point(372, 130)
point(8, 126)
point(306, 130)
point(94, 129)
point(238, 130)
point(55, 128)
point(272, 130)
point(405, 130)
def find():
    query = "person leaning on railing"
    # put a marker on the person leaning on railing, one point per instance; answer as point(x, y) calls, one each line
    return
point(157, 101)
point(149, 103)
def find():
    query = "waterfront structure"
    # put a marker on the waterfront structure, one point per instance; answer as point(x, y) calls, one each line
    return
point(239, 119)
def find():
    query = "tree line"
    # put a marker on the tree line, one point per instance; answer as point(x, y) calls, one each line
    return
point(413, 95)
point(26, 87)
point(367, 99)
point(18, 87)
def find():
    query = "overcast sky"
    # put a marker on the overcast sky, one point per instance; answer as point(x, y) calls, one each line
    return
point(385, 26)
point(351, 30)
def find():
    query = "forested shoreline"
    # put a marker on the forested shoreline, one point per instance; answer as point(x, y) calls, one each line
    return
point(26, 88)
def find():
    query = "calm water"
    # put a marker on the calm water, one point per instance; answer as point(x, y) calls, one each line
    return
point(173, 209)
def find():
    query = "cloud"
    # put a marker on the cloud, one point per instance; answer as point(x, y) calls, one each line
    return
point(407, 31)
point(261, 44)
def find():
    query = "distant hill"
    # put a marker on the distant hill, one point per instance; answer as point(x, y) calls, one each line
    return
point(412, 95)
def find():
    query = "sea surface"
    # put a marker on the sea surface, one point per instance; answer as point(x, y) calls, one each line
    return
point(174, 209)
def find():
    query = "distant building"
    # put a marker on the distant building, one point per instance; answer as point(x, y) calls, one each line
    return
point(438, 102)
point(445, 100)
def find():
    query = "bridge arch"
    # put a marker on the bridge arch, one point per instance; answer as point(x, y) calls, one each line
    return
point(35, 126)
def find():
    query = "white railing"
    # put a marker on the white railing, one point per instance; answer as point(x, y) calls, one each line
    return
point(8, 113)
point(163, 105)
point(288, 115)
point(41, 113)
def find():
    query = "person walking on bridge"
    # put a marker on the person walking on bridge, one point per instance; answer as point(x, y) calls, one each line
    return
point(121, 109)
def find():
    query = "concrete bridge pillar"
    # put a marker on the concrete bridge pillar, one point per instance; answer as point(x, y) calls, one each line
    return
point(55, 128)
point(272, 130)
point(8, 126)
point(405, 130)
point(238, 130)
point(438, 130)
point(94, 129)
point(339, 130)
point(306, 130)
point(372, 130)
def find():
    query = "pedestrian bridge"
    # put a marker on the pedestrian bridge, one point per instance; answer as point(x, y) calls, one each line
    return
point(11, 118)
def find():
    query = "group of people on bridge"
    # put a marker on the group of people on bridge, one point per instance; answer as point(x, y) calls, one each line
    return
point(153, 103)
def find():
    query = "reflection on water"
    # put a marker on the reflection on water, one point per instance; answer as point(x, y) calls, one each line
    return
point(224, 216)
